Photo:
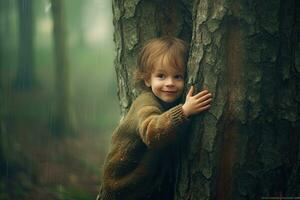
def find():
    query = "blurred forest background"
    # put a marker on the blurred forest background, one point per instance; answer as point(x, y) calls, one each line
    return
point(58, 97)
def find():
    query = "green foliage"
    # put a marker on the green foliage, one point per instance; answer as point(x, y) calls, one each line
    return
point(3, 194)
point(16, 189)
point(69, 193)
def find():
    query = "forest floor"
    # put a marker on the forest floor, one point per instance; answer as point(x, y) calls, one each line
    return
point(41, 165)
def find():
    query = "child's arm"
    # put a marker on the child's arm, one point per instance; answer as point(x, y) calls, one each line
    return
point(158, 128)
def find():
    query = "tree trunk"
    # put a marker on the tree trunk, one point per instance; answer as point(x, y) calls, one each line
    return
point(62, 122)
point(76, 21)
point(3, 26)
point(247, 54)
point(135, 23)
point(247, 145)
point(25, 78)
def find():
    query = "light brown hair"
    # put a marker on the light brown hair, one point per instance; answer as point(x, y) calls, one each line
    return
point(173, 49)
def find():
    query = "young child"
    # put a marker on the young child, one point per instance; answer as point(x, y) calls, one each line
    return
point(141, 158)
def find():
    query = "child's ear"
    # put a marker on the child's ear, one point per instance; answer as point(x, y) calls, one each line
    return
point(147, 83)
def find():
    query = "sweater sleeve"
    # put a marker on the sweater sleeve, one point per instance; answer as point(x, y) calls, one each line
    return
point(158, 128)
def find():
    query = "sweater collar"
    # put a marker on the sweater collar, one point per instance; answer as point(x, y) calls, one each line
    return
point(166, 105)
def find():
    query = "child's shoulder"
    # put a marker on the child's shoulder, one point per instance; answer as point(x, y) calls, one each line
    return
point(142, 100)
point(145, 97)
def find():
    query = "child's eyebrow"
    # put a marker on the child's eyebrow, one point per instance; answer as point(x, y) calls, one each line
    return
point(164, 71)
point(160, 71)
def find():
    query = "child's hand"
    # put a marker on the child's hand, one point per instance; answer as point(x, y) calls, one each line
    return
point(197, 103)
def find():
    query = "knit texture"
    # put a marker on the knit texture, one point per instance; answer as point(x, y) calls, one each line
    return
point(141, 157)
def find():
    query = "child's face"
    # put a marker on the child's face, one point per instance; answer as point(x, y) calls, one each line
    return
point(166, 82)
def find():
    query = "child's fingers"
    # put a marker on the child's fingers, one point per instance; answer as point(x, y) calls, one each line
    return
point(206, 102)
point(190, 93)
point(204, 108)
point(200, 94)
point(204, 98)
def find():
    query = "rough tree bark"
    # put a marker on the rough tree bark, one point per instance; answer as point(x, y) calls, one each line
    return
point(135, 23)
point(246, 53)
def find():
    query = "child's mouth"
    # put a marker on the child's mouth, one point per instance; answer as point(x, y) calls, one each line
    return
point(170, 92)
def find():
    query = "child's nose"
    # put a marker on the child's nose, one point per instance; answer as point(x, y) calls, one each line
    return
point(170, 82)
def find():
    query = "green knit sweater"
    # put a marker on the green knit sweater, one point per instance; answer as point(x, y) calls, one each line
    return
point(140, 156)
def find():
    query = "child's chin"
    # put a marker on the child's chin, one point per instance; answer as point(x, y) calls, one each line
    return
point(169, 100)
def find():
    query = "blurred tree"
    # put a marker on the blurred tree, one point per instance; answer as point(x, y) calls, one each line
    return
point(3, 27)
point(25, 78)
point(3, 30)
point(61, 123)
point(2, 19)
point(247, 54)
point(76, 20)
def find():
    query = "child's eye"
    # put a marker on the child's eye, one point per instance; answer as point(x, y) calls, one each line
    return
point(160, 75)
point(179, 77)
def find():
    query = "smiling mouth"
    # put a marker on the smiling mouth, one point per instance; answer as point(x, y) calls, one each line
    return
point(170, 92)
